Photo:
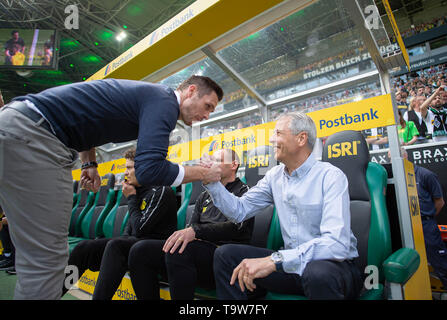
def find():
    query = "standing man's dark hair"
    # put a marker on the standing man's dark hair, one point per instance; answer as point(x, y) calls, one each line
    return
point(205, 85)
point(47, 131)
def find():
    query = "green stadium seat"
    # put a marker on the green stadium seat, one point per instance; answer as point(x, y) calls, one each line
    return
point(83, 204)
point(91, 226)
point(90, 220)
point(115, 221)
point(75, 192)
point(191, 190)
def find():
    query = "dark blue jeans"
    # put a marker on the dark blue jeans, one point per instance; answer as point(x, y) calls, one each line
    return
point(436, 249)
point(321, 279)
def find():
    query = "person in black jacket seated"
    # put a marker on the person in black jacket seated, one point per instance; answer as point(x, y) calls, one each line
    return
point(187, 255)
point(152, 215)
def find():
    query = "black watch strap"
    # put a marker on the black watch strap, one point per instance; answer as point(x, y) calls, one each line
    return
point(89, 165)
point(279, 267)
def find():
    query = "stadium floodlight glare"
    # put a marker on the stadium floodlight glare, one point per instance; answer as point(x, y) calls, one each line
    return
point(121, 36)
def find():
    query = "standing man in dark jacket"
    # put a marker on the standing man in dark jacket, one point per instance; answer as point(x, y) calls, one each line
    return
point(152, 215)
point(188, 254)
point(41, 136)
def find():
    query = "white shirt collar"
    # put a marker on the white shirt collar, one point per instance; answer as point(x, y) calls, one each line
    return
point(177, 94)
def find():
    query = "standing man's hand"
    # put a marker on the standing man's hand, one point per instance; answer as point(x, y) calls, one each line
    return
point(90, 179)
point(212, 174)
point(206, 161)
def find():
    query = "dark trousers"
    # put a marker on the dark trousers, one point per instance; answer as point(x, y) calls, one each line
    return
point(109, 257)
point(146, 263)
point(436, 249)
point(8, 246)
point(194, 266)
point(321, 279)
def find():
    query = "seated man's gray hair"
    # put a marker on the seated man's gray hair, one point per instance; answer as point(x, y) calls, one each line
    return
point(302, 122)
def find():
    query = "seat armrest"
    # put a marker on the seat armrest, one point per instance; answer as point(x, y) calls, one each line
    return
point(401, 265)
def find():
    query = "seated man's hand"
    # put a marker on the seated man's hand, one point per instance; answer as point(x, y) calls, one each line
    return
point(250, 269)
point(128, 189)
point(180, 237)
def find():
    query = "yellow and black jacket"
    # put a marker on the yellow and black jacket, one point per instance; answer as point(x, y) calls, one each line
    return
point(211, 225)
point(152, 213)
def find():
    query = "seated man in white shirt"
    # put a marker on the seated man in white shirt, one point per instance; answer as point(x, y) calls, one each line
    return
point(312, 201)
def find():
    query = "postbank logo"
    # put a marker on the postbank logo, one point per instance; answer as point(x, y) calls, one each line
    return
point(117, 167)
point(153, 38)
point(214, 145)
point(232, 143)
point(368, 113)
point(118, 62)
point(348, 148)
point(107, 70)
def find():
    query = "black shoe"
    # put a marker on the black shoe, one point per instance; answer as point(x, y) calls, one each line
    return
point(11, 270)
point(6, 263)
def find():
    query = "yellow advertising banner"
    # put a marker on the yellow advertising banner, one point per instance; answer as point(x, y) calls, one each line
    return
point(418, 287)
point(238, 140)
point(115, 166)
point(171, 25)
point(125, 290)
point(365, 114)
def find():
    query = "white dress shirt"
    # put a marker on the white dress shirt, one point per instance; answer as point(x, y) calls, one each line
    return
point(313, 209)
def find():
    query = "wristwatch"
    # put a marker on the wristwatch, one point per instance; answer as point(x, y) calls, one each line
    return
point(89, 165)
point(277, 258)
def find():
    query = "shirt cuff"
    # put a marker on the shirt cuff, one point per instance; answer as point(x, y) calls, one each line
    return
point(180, 176)
point(295, 260)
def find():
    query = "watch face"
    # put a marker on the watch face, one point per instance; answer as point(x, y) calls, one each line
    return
point(277, 257)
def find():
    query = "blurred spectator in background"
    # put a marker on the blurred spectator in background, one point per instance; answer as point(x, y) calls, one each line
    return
point(418, 114)
point(2, 103)
point(437, 116)
point(422, 27)
point(408, 133)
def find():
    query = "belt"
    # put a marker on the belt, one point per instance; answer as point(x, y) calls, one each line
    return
point(31, 114)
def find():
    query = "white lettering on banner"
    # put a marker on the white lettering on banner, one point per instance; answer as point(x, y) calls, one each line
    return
point(348, 62)
point(122, 60)
point(430, 156)
point(177, 22)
